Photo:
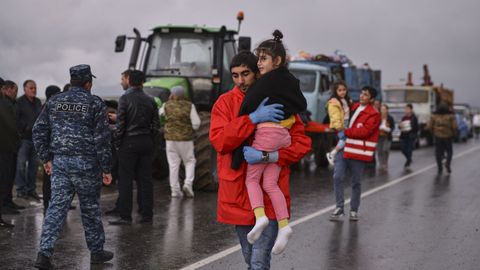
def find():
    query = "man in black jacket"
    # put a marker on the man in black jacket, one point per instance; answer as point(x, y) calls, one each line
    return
point(28, 109)
point(137, 126)
point(9, 142)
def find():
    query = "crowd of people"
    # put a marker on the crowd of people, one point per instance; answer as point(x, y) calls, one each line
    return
point(256, 129)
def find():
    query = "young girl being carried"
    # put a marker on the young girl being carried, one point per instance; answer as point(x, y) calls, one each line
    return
point(338, 108)
point(275, 86)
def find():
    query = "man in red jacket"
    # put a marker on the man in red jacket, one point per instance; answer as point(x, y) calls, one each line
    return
point(361, 141)
point(227, 131)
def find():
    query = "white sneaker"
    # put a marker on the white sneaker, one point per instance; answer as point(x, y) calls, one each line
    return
point(176, 193)
point(283, 236)
point(353, 215)
point(187, 189)
point(331, 158)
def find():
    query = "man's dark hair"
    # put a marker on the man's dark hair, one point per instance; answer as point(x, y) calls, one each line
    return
point(372, 91)
point(9, 84)
point(410, 106)
point(2, 82)
point(245, 58)
point(126, 73)
point(66, 87)
point(136, 78)
point(27, 81)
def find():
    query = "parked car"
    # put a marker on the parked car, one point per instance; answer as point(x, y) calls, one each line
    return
point(463, 128)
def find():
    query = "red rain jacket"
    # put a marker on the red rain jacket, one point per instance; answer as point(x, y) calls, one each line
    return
point(227, 132)
point(362, 137)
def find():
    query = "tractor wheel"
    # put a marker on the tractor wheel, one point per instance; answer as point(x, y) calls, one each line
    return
point(160, 163)
point(206, 156)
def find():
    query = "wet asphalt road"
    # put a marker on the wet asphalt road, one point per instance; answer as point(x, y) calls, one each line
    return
point(421, 221)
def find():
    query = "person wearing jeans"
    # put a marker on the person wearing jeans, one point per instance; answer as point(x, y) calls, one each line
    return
point(28, 109)
point(228, 131)
point(360, 144)
point(258, 255)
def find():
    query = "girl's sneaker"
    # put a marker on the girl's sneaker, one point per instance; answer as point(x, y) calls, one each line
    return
point(260, 225)
point(283, 236)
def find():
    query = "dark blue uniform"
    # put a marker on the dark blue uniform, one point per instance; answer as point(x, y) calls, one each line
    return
point(72, 132)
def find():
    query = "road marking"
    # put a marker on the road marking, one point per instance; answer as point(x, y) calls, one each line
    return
point(236, 248)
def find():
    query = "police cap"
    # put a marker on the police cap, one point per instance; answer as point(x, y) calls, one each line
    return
point(81, 72)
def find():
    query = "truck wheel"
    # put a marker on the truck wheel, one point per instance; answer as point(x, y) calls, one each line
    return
point(206, 178)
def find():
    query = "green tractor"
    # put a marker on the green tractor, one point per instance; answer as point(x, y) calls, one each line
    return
point(198, 58)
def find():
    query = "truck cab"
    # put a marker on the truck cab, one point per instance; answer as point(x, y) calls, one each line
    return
point(424, 99)
point(315, 86)
point(316, 76)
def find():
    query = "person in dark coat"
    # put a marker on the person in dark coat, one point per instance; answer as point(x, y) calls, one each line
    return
point(444, 128)
point(28, 109)
point(9, 142)
point(46, 187)
point(409, 134)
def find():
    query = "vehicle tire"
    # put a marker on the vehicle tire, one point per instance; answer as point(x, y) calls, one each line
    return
point(206, 177)
point(322, 143)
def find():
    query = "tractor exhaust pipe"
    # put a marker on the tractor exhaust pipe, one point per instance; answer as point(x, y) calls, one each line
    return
point(135, 50)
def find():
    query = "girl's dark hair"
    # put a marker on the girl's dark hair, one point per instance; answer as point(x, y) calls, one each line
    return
point(334, 91)
point(273, 47)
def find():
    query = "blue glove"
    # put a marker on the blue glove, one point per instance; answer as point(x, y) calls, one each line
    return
point(341, 135)
point(267, 113)
point(252, 155)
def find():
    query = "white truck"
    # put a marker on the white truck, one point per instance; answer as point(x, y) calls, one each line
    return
point(424, 98)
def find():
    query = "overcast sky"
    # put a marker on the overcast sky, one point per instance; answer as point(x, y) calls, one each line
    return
point(42, 39)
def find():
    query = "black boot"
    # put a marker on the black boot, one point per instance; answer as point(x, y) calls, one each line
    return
point(113, 212)
point(120, 221)
point(101, 257)
point(43, 262)
point(449, 169)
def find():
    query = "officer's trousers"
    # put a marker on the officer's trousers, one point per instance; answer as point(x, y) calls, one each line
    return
point(135, 158)
point(80, 175)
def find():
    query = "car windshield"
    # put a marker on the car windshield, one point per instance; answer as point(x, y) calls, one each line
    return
point(180, 54)
point(406, 96)
point(307, 79)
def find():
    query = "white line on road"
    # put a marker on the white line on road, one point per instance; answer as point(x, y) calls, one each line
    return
point(236, 248)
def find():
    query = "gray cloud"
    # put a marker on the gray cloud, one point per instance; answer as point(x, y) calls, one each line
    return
point(42, 39)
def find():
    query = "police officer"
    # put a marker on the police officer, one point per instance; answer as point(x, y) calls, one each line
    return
point(72, 139)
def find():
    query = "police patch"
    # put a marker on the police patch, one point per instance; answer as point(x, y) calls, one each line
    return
point(72, 107)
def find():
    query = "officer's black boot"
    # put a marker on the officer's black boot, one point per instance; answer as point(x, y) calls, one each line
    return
point(101, 257)
point(43, 262)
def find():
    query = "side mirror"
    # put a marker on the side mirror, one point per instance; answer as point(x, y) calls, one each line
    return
point(244, 44)
point(120, 43)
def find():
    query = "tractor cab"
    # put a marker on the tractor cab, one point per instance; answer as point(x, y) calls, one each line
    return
point(196, 57)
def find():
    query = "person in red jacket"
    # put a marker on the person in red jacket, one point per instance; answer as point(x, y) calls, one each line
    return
point(227, 131)
point(361, 141)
